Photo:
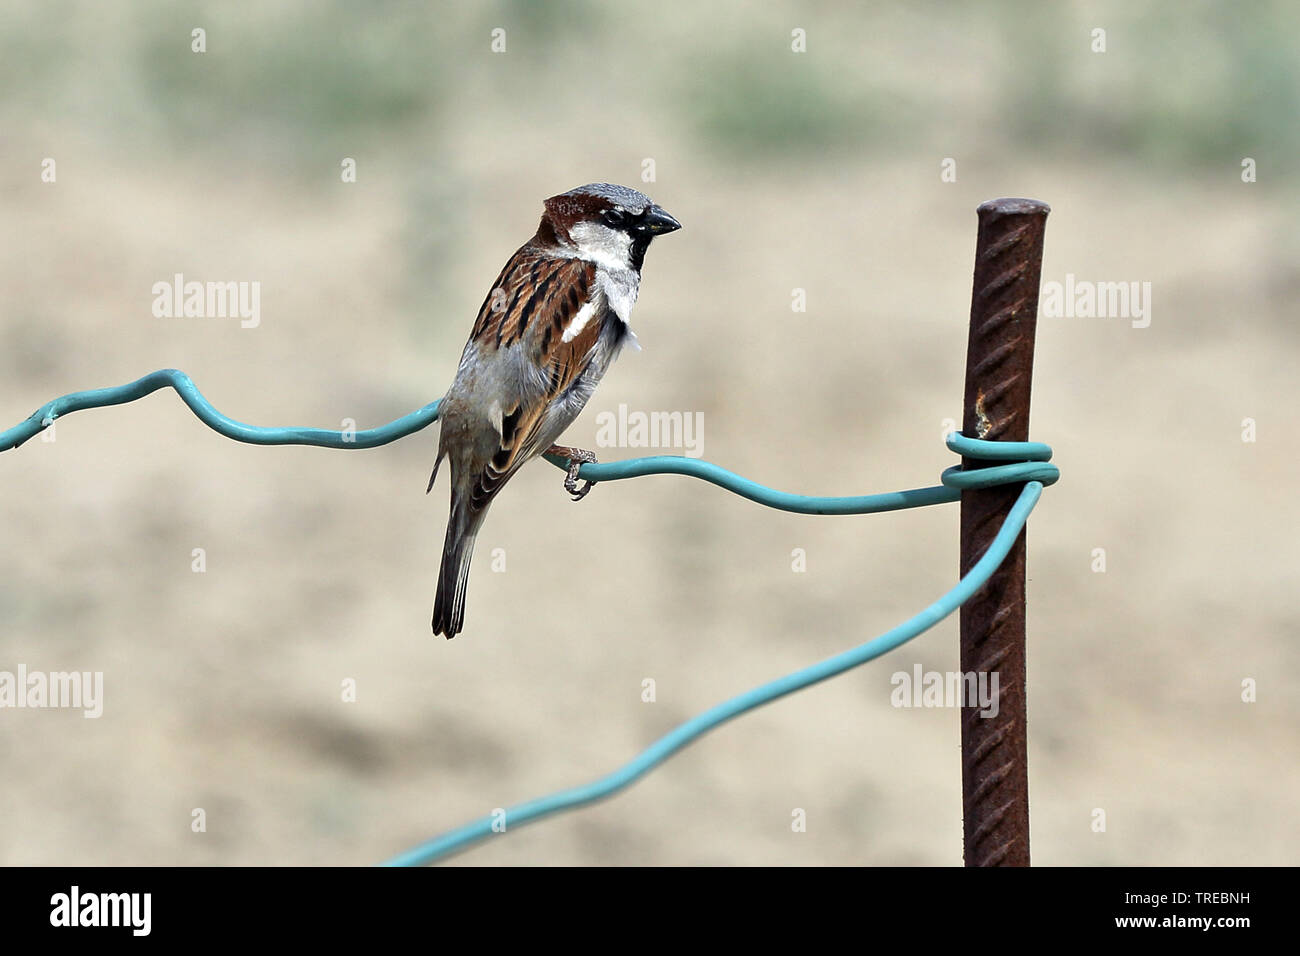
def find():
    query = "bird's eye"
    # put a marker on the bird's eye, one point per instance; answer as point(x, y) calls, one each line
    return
point(614, 217)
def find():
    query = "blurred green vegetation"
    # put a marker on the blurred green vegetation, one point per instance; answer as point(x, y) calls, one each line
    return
point(749, 107)
point(329, 75)
point(1191, 83)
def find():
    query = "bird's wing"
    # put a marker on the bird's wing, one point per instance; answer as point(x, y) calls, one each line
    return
point(545, 315)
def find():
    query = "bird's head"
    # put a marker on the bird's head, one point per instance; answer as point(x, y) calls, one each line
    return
point(606, 224)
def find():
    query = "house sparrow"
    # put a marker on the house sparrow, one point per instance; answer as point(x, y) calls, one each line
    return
point(553, 322)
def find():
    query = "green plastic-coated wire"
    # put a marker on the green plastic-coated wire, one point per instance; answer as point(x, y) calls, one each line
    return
point(467, 835)
point(44, 416)
point(1015, 463)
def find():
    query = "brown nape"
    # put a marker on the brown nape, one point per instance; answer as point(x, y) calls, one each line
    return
point(546, 235)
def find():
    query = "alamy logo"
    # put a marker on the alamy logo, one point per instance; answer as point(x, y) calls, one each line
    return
point(953, 689)
point(102, 909)
point(684, 430)
point(1083, 299)
point(82, 690)
point(208, 300)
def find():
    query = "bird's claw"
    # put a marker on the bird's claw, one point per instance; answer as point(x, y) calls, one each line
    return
point(571, 481)
point(577, 458)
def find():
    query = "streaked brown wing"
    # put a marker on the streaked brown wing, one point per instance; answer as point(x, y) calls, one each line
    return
point(541, 296)
point(533, 288)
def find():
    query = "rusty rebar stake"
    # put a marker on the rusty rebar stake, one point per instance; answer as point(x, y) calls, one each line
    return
point(999, 372)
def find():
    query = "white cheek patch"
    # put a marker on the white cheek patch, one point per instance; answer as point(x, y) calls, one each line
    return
point(602, 245)
point(579, 321)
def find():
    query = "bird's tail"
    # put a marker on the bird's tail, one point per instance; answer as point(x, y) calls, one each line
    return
point(449, 604)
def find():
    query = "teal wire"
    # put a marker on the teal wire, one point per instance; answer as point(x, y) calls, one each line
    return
point(781, 500)
point(1027, 461)
point(202, 408)
point(463, 837)
point(608, 471)
point(1023, 462)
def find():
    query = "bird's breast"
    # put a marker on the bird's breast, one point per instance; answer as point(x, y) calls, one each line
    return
point(619, 288)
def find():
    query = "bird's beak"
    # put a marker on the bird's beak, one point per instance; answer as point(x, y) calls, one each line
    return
point(657, 221)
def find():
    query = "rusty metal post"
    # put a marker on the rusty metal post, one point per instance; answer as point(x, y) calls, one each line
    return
point(999, 371)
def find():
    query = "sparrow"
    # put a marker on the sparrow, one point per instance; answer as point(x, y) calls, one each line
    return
point(553, 322)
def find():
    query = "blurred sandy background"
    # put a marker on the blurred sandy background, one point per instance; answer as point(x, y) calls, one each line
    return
point(818, 171)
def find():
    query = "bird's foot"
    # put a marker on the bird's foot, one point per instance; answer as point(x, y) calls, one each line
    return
point(577, 458)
